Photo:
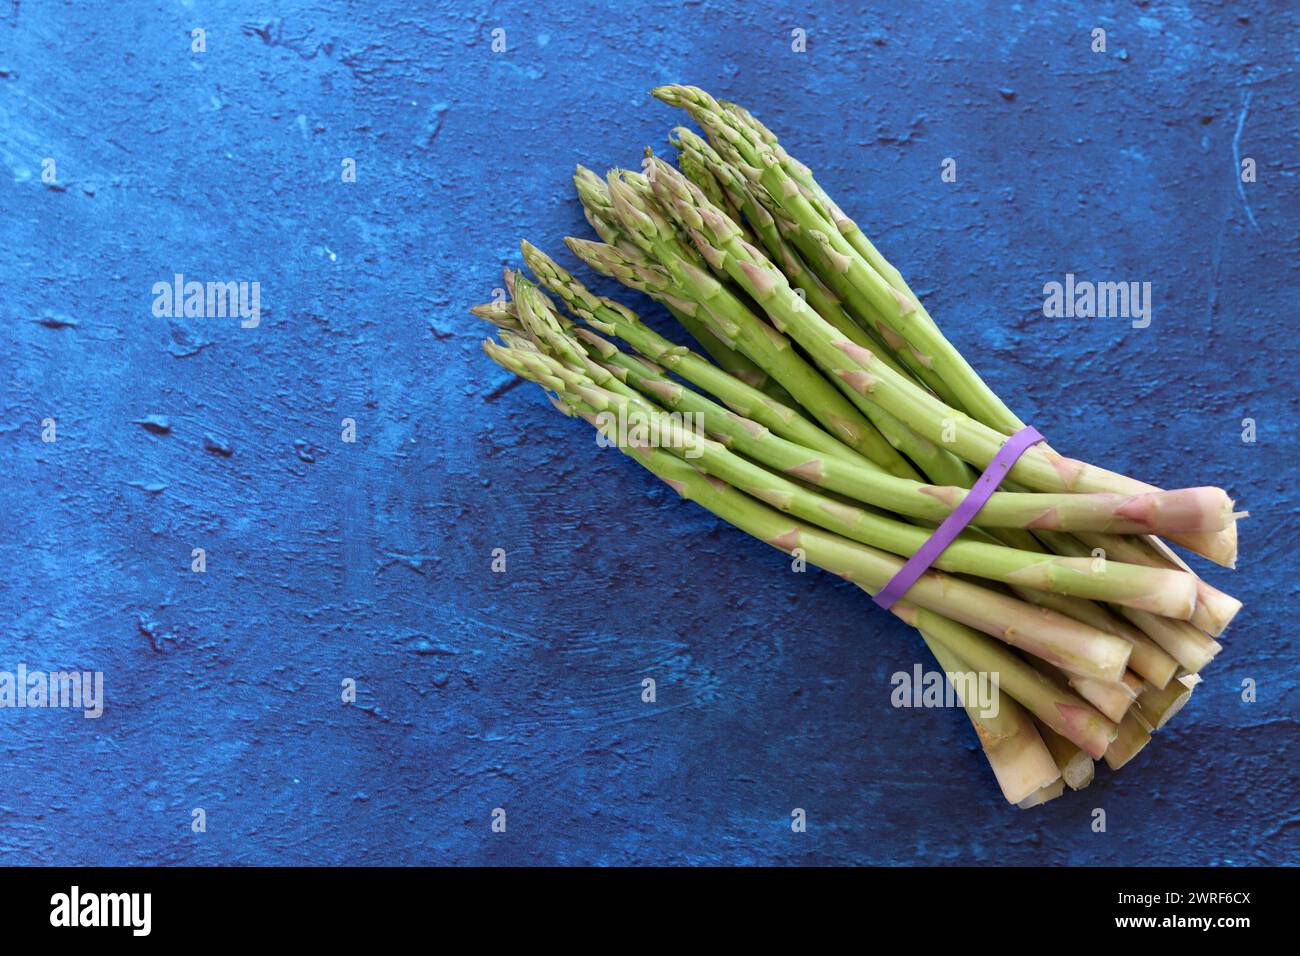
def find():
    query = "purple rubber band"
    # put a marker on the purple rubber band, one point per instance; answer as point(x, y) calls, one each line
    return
point(961, 516)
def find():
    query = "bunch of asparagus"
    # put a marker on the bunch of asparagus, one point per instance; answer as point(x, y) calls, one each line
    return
point(834, 421)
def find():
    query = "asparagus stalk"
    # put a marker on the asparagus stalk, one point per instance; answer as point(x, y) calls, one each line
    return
point(1020, 761)
point(1191, 647)
point(1164, 628)
point(925, 502)
point(670, 276)
point(1157, 670)
point(731, 320)
point(634, 202)
point(1148, 659)
point(772, 228)
point(1216, 608)
point(1005, 754)
point(1059, 709)
point(814, 488)
point(706, 169)
point(847, 228)
point(1113, 700)
point(1186, 644)
point(1041, 796)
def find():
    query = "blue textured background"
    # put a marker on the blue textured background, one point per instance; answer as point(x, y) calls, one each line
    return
point(370, 560)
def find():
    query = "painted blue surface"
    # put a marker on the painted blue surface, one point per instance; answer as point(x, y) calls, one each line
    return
point(370, 560)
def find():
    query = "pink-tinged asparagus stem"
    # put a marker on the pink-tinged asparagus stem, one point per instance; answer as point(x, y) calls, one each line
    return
point(1068, 714)
point(1156, 707)
point(1132, 738)
point(1056, 638)
point(1214, 609)
point(1112, 699)
point(1116, 582)
point(1186, 511)
point(1076, 767)
point(1048, 700)
point(1016, 753)
point(571, 346)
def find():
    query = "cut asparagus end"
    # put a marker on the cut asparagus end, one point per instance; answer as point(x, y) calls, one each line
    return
point(1079, 771)
point(1111, 698)
point(1076, 767)
point(1218, 546)
point(1130, 740)
point(1156, 707)
point(1146, 657)
point(1043, 794)
point(1214, 609)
